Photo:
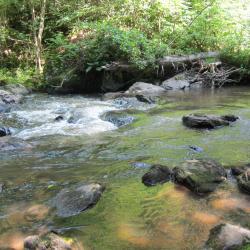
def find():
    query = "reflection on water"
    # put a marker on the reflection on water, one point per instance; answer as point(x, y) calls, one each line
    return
point(45, 156)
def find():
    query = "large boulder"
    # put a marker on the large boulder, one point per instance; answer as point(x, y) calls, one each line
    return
point(7, 97)
point(157, 174)
point(146, 89)
point(48, 241)
point(17, 89)
point(178, 82)
point(118, 118)
point(244, 181)
point(207, 121)
point(72, 201)
point(227, 236)
point(200, 176)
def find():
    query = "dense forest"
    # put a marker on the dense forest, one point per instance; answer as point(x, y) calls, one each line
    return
point(44, 42)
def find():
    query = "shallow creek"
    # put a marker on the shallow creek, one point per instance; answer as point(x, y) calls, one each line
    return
point(43, 156)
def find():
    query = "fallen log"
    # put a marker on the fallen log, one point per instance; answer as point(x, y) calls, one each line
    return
point(167, 60)
point(188, 58)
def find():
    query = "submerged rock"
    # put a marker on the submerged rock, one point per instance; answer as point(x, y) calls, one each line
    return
point(145, 89)
point(157, 174)
point(200, 176)
point(114, 95)
point(244, 181)
point(178, 82)
point(141, 165)
point(118, 118)
point(59, 118)
point(72, 201)
point(48, 241)
point(4, 108)
point(145, 99)
point(207, 121)
point(4, 131)
point(9, 143)
point(227, 236)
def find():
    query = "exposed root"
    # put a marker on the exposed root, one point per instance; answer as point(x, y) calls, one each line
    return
point(213, 75)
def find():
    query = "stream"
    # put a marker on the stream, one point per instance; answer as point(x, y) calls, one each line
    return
point(45, 155)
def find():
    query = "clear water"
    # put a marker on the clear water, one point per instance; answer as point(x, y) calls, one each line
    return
point(43, 156)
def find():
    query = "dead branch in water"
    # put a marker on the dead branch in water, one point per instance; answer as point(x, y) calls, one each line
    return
point(213, 75)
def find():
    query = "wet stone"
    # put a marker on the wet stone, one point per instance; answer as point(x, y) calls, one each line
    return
point(201, 121)
point(227, 236)
point(118, 118)
point(4, 131)
point(200, 176)
point(157, 174)
point(46, 242)
point(72, 201)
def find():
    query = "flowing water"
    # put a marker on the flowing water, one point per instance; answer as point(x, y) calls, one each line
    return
point(43, 156)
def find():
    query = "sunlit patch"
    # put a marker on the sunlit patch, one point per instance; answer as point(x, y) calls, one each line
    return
point(231, 204)
point(177, 193)
point(12, 241)
point(36, 212)
point(205, 218)
point(21, 213)
point(133, 235)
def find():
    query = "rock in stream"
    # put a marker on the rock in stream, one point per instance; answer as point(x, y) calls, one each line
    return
point(72, 201)
point(201, 121)
point(48, 241)
point(200, 176)
point(228, 237)
point(157, 174)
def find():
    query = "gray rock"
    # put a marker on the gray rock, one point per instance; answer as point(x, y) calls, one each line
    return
point(207, 121)
point(244, 181)
point(72, 201)
point(9, 98)
point(48, 241)
point(177, 82)
point(157, 174)
point(227, 236)
point(118, 118)
point(145, 89)
point(200, 176)
point(17, 89)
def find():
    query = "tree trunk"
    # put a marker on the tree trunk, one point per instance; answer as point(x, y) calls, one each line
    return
point(38, 35)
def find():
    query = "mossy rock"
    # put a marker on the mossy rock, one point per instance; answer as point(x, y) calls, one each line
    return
point(200, 176)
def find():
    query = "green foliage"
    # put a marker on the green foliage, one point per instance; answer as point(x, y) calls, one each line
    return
point(27, 77)
point(135, 32)
point(99, 45)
